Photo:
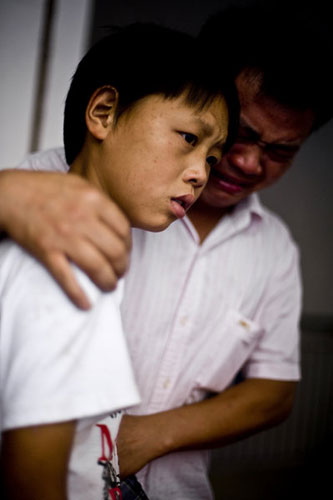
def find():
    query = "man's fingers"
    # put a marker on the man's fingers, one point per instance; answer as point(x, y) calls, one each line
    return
point(114, 249)
point(62, 218)
point(89, 214)
point(89, 200)
point(89, 260)
point(97, 251)
point(60, 268)
point(116, 220)
point(91, 245)
point(105, 242)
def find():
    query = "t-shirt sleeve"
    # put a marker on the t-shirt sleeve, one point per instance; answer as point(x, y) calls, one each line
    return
point(59, 363)
point(52, 160)
point(277, 355)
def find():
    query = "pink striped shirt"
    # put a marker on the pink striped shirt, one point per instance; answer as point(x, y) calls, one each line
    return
point(195, 315)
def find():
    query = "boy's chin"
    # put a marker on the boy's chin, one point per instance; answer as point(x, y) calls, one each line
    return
point(154, 226)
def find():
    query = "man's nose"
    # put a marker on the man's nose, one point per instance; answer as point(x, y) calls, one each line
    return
point(247, 158)
point(197, 173)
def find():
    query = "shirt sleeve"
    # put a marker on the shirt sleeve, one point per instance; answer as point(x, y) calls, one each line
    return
point(59, 363)
point(52, 160)
point(277, 355)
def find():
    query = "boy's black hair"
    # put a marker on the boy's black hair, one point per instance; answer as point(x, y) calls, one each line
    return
point(286, 46)
point(139, 60)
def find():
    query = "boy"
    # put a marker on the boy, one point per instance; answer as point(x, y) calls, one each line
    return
point(143, 123)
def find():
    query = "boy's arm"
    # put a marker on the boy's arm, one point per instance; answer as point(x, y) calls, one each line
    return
point(59, 218)
point(34, 461)
point(238, 412)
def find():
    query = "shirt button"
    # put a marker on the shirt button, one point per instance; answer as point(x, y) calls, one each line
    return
point(244, 324)
point(184, 320)
point(166, 383)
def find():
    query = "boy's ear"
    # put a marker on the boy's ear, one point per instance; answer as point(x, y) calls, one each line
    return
point(101, 110)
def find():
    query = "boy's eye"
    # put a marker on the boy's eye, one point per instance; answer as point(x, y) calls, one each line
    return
point(212, 161)
point(190, 138)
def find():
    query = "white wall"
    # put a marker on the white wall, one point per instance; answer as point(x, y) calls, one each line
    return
point(20, 31)
point(20, 24)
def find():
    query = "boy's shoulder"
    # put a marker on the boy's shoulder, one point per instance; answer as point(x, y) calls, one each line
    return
point(23, 277)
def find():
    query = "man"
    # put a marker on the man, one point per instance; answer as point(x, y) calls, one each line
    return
point(218, 293)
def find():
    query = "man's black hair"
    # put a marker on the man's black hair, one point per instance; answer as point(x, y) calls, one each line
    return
point(139, 60)
point(286, 46)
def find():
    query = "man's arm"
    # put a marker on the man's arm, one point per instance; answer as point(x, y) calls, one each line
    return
point(59, 218)
point(34, 461)
point(238, 412)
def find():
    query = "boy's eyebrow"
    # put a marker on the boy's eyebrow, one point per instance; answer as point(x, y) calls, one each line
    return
point(208, 129)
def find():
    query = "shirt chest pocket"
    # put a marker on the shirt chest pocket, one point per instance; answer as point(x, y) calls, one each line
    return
point(242, 328)
point(230, 344)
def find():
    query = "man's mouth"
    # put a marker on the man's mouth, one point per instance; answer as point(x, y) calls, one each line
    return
point(229, 184)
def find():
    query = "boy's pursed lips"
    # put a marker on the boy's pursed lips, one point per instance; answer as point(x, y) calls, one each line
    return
point(180, 204)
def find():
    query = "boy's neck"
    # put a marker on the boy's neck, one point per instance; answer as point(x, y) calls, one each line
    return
point(83, 165)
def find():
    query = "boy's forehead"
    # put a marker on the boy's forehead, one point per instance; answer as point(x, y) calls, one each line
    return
point(207, 116)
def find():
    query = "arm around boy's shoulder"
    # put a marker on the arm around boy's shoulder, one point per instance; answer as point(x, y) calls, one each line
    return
point(59, 218)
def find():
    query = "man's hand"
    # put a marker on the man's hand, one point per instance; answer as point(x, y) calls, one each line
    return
point(60, 218)
point(238, 412)
point(138, 443)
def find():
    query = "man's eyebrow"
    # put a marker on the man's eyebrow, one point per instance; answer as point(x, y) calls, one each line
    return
point(292, 144)
point(245, 124)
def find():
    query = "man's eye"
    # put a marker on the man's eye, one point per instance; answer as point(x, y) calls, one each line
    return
point(190, 138)
point(280, 154)
point(212, 161)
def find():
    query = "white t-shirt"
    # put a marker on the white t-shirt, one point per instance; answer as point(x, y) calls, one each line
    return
point(59, 363)
point(196, 314)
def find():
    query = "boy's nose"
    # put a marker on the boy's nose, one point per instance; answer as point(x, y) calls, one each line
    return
point(197, 173)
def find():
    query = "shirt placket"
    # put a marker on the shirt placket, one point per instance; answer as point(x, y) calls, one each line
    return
point(165, 390)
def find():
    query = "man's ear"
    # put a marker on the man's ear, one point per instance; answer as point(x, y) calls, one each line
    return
point(100, 111)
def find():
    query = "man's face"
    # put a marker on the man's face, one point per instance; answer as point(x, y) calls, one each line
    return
point(269, 137)
point(156, 160)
